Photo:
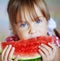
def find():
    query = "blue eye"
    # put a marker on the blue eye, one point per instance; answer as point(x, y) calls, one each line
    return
point(23, 25)
point(38, 21)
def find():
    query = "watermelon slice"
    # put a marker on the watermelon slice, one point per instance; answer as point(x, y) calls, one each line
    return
point(28, 49)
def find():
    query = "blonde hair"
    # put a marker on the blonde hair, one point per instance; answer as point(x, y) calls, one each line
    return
point(19, 6)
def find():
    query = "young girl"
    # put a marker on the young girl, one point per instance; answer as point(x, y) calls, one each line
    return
point(28, 19)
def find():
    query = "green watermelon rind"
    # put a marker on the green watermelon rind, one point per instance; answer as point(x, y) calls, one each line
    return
point(37, 58)
point(32, 59)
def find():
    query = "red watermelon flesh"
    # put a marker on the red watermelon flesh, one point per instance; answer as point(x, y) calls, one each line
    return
point(28, 47)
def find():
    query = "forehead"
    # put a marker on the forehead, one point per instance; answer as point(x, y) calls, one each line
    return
point(26, 14)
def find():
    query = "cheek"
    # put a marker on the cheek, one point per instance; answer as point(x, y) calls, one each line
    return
point(23, 31)
point(44, 25)
point(23, 34)
point(42, 28)
point(43, 31)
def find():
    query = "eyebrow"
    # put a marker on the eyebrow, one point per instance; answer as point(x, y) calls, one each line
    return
point(35, 19)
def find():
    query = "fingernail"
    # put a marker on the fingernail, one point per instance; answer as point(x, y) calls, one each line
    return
point(39, 46)
point(7, 46)
point(39, 50)
point(49, 43)
point(10, 45)
point(14, 48)
point(42, 44)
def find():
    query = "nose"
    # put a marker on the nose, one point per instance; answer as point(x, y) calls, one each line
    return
point(32, 29)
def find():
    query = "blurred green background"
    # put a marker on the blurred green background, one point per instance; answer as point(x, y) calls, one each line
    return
point(54, 8)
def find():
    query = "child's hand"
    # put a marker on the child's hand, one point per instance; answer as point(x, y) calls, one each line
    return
point(48, 53)
point(8, 53)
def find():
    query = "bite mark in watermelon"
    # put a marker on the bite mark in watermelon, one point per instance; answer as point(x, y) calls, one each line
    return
point(28, 49)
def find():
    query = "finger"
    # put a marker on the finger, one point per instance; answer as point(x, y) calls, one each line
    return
point(53, 46)
point(4, 52)
point(44, 50)
point(49, 49)
point(42, 54)
point(7, 53)
point(17, 58)
point(11, 54)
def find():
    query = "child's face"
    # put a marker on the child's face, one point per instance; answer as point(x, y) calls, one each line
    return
point(28, 28)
